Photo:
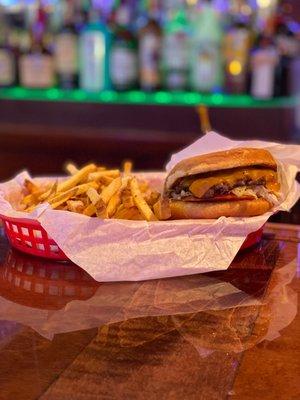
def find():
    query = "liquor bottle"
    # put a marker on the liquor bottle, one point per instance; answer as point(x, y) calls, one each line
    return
point(264, 60)
point(150, 37)
point(123, 55)
point(36, 66)
point(288, 49)
point(206, 59)
point(7, 59)
point(94, 48)
point(237, 45)
point(175, 52)
point(66, 49)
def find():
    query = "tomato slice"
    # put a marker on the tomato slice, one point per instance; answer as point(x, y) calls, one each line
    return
point(221, 197)
point(230, 197)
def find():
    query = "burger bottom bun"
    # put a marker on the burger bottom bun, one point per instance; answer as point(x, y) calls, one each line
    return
point(209, 210)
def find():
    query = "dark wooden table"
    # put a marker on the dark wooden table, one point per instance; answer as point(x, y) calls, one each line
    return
point(232, 334)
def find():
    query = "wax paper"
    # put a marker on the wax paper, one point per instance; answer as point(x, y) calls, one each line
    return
point(119, 250)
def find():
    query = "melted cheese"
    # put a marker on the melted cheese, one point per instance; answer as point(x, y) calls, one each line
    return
point(201, 185)
point(273, 186)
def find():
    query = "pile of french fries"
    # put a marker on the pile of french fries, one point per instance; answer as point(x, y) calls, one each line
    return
point(99, 192)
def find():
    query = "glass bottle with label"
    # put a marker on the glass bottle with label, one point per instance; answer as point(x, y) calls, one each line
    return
point(123, 55)
point(288, 47)
point(236, 53)
point(94, 48)
point(206, 59)
point(175, 52)
point(7, 60)
point(36, 66)
point(150, 38)
point(264, 60)
point(66, 49)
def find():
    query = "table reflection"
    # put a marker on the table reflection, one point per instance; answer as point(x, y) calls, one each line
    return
point(47, 285)
point(227, 310)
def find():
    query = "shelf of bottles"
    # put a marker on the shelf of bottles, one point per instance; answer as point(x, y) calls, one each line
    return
point(226, 53)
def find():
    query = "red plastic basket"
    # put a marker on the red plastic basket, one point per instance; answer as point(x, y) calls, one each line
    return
point(30, 237)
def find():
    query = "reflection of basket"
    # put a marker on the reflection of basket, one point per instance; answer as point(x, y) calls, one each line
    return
point(40, 284)
point(30, 237)
point(252, 239)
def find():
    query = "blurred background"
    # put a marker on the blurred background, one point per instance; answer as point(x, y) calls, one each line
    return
point(107, 79)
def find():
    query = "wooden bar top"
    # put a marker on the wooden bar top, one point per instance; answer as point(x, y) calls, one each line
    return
point(231, 334)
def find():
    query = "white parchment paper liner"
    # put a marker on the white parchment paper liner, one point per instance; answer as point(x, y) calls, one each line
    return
point(119, 250)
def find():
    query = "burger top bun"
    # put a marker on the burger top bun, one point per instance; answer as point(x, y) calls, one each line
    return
point(234, 158)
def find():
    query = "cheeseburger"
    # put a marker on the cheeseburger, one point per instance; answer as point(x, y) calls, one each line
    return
point(241, 182)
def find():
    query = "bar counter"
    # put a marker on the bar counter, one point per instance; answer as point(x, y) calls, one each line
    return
point(230, 334)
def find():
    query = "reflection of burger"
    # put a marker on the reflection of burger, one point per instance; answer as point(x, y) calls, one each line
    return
point(241, 182)
point(232, 330)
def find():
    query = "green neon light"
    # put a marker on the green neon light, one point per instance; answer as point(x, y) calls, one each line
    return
point(217, 98)
point(143, 98)
point(192, 98)
point(108, 96)
point(79, 95)
point(53, 94)
point(163, 97)
point(136, 97)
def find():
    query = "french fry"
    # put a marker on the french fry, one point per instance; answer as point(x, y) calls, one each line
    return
point(30, 208)
point(62, 207)
point(33, 199)
point(128, 213)
point(101, 210)
point(119, 213)
point(105, 180)
point(83, 188)
point(143, 186)
point(151, 197)
point(110, 190)
point(128, 202)
point(113, 204)
point(52, 191)
point(134, 214)
point(75, 191)
point(30, 186)
point(81, 175)
point(71, 169)
point(60, 198)
point(95, 176)
point(84, 199)
point(127, 168)
point(96, 191)
point(90, 210)
point(30, 199)
point(162, 209)
point(76, 206)
point(93, 195)
point(139, 201)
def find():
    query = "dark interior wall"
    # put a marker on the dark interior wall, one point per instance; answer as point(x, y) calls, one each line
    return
point(41, 136)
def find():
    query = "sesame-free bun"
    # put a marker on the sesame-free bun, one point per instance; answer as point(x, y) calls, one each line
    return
point(221, 160)
point(211, 210)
